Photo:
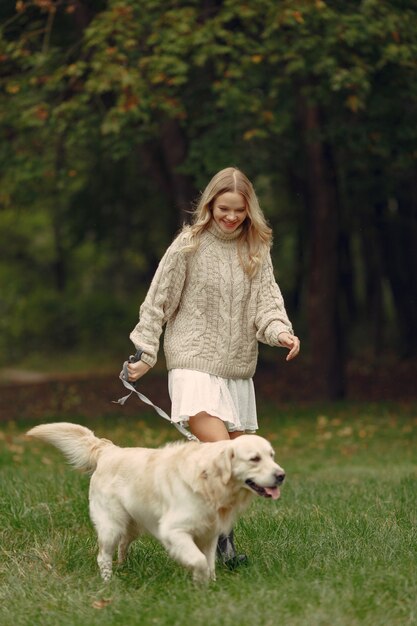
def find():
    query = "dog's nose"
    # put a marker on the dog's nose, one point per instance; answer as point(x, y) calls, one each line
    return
point(279, 478)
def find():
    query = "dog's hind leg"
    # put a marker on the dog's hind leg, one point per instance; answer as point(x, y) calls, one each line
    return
point(123, 549)
point(130, 535)
point(107, 542)
point(111, 527)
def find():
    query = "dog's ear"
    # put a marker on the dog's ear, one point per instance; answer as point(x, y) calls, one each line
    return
point(215, 471)
point(224, 465)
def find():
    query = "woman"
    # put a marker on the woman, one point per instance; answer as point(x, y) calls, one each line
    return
point(215, 290)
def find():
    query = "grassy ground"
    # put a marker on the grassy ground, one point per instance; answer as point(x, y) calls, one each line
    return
point(339, 548)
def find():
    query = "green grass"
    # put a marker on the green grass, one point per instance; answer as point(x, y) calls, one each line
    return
point(338, 549)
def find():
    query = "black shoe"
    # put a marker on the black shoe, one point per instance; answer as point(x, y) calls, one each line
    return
point(236, 561)
point(226, 552)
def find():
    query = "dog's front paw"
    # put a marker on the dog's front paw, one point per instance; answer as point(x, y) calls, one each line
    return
point(202, 576)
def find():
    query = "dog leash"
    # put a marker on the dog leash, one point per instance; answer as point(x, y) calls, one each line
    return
point(124, 377)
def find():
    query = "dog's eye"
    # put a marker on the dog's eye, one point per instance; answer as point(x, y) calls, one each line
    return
point(256, 459)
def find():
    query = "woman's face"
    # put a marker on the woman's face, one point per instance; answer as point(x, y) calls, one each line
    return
point(229, 211)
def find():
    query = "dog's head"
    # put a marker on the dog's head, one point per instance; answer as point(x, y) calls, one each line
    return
point(245, 464)
point(253, 464)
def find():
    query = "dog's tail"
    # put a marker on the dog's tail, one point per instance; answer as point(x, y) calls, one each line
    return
point(78, 444)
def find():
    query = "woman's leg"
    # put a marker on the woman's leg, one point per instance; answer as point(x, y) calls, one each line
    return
point(206, 427)
point(236, 433)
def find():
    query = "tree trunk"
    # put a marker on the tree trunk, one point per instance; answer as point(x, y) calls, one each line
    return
point(162, 158)
point(58, 221)
point(325, 333)
point(398, 235)
point(174, 150)
point(373, 273)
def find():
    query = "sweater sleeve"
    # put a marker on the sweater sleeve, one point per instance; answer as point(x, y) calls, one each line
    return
point(161, 301)
point(271, 317)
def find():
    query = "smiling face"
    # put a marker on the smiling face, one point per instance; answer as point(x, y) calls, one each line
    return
point(255, 466)
point(229, 211)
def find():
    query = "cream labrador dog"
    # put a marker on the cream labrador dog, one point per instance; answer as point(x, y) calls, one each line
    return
point(185, 494)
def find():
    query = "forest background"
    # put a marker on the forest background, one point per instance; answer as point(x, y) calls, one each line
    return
point(115, 114)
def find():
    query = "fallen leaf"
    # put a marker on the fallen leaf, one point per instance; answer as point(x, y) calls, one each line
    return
point(102, 603)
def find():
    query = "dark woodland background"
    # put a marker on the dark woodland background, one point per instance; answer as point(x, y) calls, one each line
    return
point(115, 114)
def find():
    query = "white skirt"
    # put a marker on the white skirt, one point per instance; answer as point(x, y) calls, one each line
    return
point(233, 401)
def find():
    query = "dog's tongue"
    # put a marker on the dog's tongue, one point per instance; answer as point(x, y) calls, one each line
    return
point(274, 492)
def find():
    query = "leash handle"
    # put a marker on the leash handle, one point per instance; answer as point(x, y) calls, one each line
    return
point(124, 377)
point(134, 358)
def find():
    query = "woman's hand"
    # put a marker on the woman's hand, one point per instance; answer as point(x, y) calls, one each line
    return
point(137, 370)
point(291, 342)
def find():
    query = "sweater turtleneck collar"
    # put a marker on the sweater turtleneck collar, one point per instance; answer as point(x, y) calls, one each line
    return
point(215, 230)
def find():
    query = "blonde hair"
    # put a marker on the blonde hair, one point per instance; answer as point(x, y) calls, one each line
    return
point(255, 233)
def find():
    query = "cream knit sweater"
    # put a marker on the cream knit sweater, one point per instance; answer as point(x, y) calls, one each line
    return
point(214, 313)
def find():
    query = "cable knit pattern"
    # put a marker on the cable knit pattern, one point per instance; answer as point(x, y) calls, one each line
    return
point(214, 313)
